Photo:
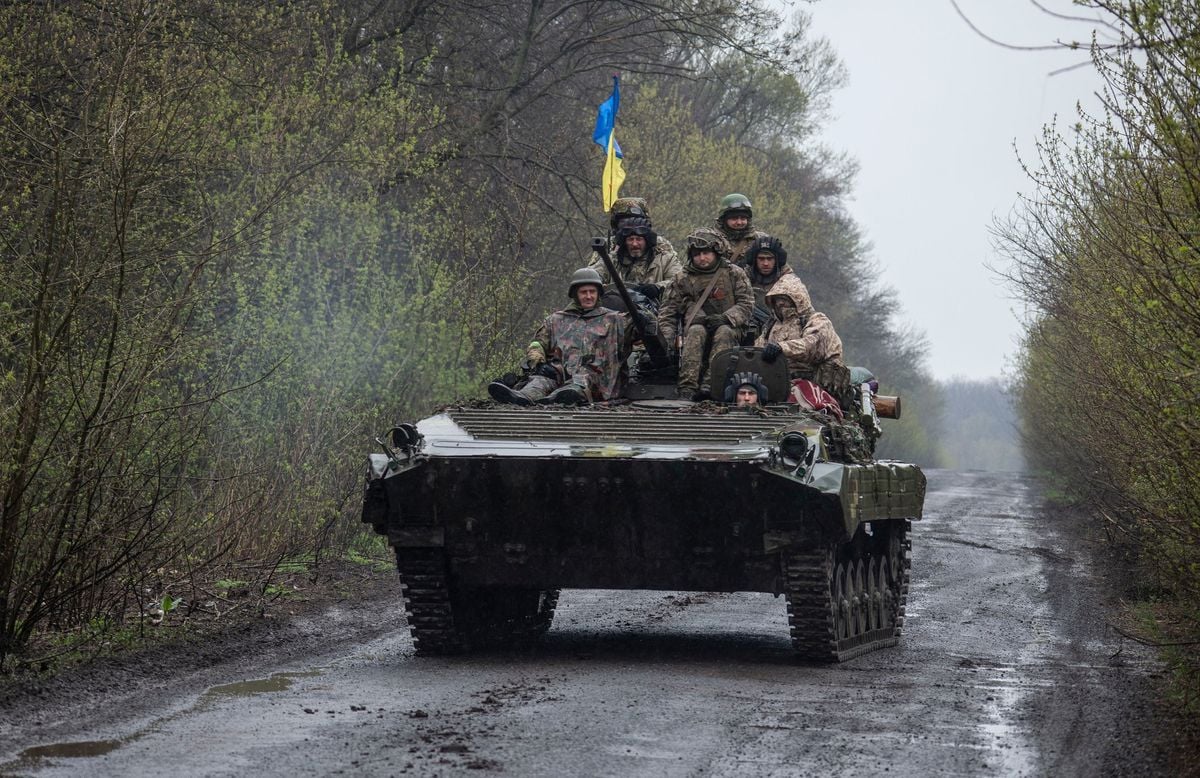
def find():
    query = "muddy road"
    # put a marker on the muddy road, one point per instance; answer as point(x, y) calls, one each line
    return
point(1006, 668)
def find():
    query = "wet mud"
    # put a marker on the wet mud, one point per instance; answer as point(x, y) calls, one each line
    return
point(1006, 668)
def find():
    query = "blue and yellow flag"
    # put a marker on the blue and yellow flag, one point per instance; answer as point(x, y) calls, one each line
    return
point(605, 136)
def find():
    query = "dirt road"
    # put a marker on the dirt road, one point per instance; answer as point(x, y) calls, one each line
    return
point(1006, 668)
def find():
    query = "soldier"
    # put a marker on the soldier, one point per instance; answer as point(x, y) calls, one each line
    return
point(577, 354)
point(745, 389)
point(661, 256)
point(642, 267)
point(714, 299)
point(806, 338)
point(734, 223)
point(766, 262)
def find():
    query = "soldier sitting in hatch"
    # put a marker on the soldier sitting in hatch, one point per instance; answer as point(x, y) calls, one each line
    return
point(746, 390)
point(578, 353)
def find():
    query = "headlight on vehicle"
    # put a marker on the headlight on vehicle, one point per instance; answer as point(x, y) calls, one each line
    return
point(793, 447)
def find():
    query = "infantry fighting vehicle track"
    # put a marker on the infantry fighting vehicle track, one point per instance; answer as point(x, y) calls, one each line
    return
point(493, 509)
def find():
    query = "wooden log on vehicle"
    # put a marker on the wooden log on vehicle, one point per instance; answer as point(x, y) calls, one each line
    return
point(887, 406)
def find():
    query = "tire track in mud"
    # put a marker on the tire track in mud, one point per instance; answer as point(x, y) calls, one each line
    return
point(1005, 668)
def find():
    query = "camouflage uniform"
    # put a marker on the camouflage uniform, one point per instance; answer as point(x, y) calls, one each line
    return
point(659, 269)
point(809, 342)
point(731, 297)
point(589, 347)
point(739, 240)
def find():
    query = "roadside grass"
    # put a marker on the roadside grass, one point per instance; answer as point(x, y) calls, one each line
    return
point(177, 607)
point(1171, 627)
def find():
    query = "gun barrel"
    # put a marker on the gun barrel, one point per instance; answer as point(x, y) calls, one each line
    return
point(654, 344)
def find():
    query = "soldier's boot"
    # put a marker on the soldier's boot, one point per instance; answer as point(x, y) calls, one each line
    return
point(567, 395)
point(503, 393)
point(702, 394)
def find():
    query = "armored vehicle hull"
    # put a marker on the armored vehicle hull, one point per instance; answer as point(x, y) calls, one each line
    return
point(493, 510)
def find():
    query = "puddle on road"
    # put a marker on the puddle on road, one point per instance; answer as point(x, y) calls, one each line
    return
point(277, 682)
point(83, 749)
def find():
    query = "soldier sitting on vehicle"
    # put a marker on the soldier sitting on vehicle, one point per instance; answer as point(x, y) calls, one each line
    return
point(733, 221)
point(806, 338)
point(766, 263)
point(657, 265)
point(577, 354)
point(642, 267)
point(714, 300)
point(745, 390)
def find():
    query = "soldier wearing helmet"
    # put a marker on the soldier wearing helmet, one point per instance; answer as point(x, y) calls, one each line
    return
point(734, 222)
point(577, 355)
point(706, 309)
point(646, 261)
point(766, 262)
point(746, 390)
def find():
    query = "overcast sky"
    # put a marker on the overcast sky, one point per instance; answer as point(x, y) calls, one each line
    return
point(932, 112)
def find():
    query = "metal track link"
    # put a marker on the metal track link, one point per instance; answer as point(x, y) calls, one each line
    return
point(807, 576)
point(905, 573)
point(425, 585)
point(812, 612)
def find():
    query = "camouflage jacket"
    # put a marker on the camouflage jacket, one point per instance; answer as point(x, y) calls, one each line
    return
point(731, 295)
point(806, 336)
point(659, 269)
point(740, 241)
point(591, 345)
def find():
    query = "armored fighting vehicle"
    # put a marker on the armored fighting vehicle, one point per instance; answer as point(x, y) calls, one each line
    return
point(492, 509)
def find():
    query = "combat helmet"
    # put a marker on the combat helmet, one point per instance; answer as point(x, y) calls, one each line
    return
point(735, 202)
point(708, 238)
point(582, 277)
point(771, 245)
point(624, 207)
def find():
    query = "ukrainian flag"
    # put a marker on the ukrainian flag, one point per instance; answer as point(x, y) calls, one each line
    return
point(605, 136)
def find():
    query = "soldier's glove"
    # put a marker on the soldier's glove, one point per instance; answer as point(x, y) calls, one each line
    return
point(548, 370)
point(535, 357)
point(653, 291)
point(714, 320)
point(771, 352)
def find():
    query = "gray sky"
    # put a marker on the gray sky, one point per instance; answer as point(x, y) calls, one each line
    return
point(932, 112)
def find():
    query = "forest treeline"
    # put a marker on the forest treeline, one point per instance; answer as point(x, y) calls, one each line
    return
point(981, 426)
point(1106, 254)
point(240, 239)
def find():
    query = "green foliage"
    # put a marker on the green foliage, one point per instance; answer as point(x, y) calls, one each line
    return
point(242, 238)
point(797, 195)
point(1106, 255)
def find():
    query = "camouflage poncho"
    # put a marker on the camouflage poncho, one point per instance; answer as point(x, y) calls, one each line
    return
point(590, 345)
